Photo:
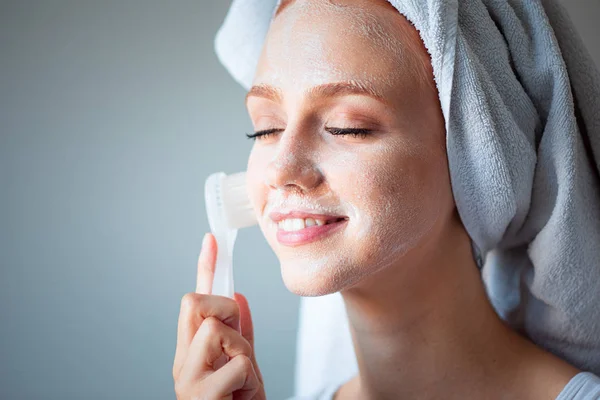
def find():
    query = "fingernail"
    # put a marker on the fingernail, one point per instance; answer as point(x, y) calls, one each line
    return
point(204, 241)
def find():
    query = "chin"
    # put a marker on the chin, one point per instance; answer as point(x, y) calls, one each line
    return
point(313, 279)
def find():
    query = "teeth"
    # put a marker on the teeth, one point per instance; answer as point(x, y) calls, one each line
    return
point(297, 224)
point(288, 225)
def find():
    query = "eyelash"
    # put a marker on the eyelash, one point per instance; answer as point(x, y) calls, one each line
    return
point(354, 132)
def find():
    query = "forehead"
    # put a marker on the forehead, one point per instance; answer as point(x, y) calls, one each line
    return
point(320, 41)
point(283, 4)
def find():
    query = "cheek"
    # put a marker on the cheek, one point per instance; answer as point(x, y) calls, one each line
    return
point(408, 201)
point(394, 194)
point(255, 180)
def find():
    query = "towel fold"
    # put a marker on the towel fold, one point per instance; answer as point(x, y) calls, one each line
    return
point(520, 96)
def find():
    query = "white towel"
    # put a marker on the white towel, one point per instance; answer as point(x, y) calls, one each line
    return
point(521, 100)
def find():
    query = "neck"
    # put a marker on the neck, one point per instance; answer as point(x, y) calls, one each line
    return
point(442, 336)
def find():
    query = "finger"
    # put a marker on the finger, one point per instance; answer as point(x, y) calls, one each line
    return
point(206, 265)
point(247, 328)
point(194, 309)
point(212, 340)
point(237, 376)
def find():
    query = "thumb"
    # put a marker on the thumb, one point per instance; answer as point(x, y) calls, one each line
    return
point(247, 328)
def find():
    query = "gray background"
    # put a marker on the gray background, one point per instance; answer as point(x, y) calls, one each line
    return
point(112, 114)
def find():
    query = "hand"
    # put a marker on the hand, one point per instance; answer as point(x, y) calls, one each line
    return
point(214, 358)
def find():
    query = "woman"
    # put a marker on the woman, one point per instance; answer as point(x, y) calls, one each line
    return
point(349, 178)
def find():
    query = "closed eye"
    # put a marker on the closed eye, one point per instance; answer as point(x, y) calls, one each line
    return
point(354, 132)
point(262, 134)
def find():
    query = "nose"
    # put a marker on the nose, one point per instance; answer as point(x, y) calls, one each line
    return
point(293, 166)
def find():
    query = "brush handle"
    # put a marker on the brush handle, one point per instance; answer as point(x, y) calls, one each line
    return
point(223, 279)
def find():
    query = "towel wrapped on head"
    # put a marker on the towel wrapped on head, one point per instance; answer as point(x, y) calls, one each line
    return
point(520, 96)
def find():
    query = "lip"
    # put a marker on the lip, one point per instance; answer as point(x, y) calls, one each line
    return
point(309, 234)
point(277, 216)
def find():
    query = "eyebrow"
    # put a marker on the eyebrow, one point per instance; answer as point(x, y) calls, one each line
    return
point(335, 89)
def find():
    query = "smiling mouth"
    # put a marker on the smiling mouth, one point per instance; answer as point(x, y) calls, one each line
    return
point(298, 224)
point(295, 232)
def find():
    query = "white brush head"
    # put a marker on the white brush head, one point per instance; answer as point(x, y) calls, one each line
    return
point(227, 202)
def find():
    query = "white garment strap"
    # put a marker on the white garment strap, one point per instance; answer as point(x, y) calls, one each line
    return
point(325, 354)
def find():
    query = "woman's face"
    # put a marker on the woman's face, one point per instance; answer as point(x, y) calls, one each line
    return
point(360, 200)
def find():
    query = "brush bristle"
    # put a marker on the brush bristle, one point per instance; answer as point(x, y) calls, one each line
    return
point(236, 203)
